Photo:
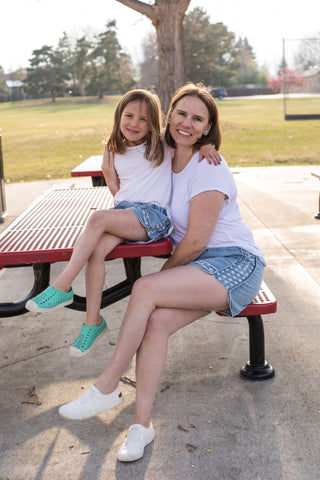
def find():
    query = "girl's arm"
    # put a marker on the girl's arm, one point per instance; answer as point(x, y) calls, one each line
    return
point(109, 172)
point(210, 154)
point(204, 212)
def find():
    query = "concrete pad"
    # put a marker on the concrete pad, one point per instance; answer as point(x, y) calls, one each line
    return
point(210, 424)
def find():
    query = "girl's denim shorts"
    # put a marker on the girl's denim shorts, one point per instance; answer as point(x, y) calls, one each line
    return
point(239, 271)
point(152, 217)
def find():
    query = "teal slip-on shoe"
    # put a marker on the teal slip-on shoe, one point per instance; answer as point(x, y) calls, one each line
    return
point(86, 338)
point(49, 299)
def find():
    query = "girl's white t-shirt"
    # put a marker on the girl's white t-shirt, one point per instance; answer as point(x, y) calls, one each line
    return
point(140, 180)
point(198, 177)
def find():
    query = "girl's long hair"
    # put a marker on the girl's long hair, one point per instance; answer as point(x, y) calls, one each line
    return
point(115, 140)
point(201, 92)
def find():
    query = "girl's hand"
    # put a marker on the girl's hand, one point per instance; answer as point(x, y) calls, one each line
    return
point(109, 171)
point(210, 154)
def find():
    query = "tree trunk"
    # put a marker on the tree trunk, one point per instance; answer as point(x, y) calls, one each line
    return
point(167, 17)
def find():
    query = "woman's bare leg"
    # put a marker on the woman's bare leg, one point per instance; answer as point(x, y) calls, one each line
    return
point(121, 223)
point(184, 287)
point(152, 354)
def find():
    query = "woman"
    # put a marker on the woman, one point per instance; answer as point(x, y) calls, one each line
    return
point(216, 265)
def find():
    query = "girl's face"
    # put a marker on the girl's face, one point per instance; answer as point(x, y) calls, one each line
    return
point(134, 122)
point(189, 120)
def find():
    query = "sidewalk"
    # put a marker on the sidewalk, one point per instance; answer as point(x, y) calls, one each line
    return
point(210, 424)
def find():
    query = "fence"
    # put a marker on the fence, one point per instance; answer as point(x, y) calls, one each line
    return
point(301, 78)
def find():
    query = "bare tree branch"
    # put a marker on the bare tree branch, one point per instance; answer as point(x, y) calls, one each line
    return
point(141, 7)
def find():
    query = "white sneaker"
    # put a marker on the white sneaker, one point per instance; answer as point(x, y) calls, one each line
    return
point(90, 403)
point(133, 447)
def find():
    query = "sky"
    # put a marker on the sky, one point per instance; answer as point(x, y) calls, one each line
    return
point(27, 25)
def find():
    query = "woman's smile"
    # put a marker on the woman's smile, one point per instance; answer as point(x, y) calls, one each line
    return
point(186, 134)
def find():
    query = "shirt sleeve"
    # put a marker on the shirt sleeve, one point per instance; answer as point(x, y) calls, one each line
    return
point(210, 177)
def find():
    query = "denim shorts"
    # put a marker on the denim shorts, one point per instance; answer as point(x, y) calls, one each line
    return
point(239, 271)
point(153, 218)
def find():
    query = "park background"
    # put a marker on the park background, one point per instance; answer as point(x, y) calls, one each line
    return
point(210, 423)
point(60, 87)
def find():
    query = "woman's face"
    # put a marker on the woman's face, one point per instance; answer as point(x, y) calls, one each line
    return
point(189, 120)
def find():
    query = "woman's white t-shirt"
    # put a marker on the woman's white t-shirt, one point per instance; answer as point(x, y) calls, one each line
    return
point(198, 177)
point(140, 180)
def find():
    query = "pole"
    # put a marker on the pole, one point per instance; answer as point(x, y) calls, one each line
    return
point(2, 195)
point(284, 78)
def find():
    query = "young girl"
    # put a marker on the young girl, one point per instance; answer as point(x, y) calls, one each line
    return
point(138, 174)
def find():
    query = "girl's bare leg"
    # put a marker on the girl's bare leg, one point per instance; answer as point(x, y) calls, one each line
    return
point(95, 277)
point(121, 223)
point(186, 288)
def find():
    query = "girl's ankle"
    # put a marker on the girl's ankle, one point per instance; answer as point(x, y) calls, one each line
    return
point(93, 323)
point(61, 287)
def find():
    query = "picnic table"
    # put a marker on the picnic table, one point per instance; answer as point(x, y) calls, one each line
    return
point(46, 232)
point(91, 167)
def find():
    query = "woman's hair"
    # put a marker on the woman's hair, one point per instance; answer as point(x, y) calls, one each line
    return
point(201, 92)
point(115, 140)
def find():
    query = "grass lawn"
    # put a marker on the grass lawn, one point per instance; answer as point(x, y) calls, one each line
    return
point(41, 139)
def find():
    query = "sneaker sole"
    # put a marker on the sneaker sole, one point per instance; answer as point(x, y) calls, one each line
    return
point(76, 353)
point(123, 458)
point(33, 307)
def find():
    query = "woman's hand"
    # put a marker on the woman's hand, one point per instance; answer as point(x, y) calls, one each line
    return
point(109, 171)
point(210, 154)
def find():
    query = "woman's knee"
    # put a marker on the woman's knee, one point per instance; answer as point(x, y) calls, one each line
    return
point(142, 287)
point(158, 323)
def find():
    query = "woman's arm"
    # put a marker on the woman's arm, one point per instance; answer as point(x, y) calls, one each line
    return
point(204, 212)
point(109, 172)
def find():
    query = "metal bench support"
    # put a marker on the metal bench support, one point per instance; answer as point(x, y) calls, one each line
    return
point(41, 276)
point(257, 368)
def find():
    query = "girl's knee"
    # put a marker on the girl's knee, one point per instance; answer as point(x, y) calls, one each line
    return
point(97, 220)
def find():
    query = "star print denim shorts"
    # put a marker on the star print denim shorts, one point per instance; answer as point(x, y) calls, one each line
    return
point(152, 217)
point(239, 271)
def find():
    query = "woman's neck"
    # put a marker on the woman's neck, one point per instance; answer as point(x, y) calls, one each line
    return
point(181, 158)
